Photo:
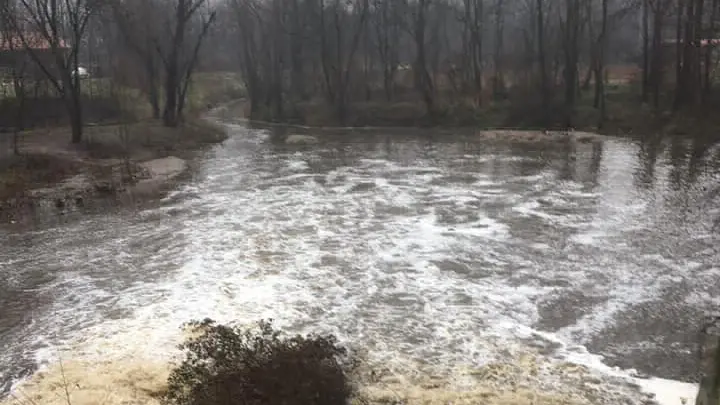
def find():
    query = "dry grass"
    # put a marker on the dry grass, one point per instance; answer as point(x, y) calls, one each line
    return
point(47, 159)
point(210, 89)
point(79, 383)
point(21, 173)
point(149, 139)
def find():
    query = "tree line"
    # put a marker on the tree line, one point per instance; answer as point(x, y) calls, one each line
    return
point(151, 44)
point(539, 53)
point(541, 57)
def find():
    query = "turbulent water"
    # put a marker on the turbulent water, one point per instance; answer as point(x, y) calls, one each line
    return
point(430, 250)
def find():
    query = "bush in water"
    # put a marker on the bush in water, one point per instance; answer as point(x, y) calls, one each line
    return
point(226, 365)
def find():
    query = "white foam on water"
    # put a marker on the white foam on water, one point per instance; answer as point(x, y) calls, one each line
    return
point(664, 391)
point(417, 268)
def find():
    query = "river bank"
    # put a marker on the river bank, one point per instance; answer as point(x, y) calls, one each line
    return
point(523, 377)
point(117, 159)
point(626, 116)
point(122, 161)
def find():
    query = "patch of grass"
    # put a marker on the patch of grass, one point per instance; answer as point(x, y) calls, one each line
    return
point(149, 139)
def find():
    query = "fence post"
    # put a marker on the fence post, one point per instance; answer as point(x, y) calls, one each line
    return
point(709, 359)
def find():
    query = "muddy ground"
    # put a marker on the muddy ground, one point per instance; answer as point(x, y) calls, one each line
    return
point(112, 160)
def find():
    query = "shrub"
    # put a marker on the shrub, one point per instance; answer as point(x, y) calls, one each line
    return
point(226, 365)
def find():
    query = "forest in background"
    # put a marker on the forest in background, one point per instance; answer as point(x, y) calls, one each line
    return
point(538, 63)
point(613, 65)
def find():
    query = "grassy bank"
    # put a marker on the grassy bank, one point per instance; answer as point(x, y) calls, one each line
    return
point(109, 157)
point(625, 114)
point(112, 148)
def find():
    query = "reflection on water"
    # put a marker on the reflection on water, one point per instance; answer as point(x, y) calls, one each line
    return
point(414, 243)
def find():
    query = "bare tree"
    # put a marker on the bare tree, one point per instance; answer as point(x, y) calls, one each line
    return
point(423, 81)
point(247, 20)
point(18, 73)
point(689, 86)
point(58, 26)
point(712, 30)
point(600, 65)
point(337, 49)
point(498, 77)
point(386, 22)
point(473, 21)
point(542, 60)
point(185, 28)
point(339, 52)
point(571, 35)
point(645, 49)
point(136, 21)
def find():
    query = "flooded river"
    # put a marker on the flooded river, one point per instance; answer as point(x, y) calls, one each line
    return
point(420, 247)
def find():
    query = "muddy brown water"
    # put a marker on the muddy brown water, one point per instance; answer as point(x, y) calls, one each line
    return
point(412, 243)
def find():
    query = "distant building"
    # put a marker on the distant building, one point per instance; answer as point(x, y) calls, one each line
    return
point(670, 49)
point(15, 55)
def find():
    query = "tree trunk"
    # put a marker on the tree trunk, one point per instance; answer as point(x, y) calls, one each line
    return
point(423, 81)
point(296, 53)
point(592, 53)
point(19, 85)
point(697, 39)
point(678, 52)
point(71, 80)
point(645, 55)
point(687, 86)
point(477, 41)
point(709, 51)
point(386, 31)
point(153, 91)
point(541, 51)
point(709, 390)
point(572, 16)
point(172, 66)
point(498, 79)
point(170, 118)
point(657, 60)
point(76, 118)
point(388, 84)
point(277, 60)
point(600, 72)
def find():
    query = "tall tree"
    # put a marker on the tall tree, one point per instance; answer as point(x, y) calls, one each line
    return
point(186, 25)
point(250, 43)
point(645, 50)
point(338, 49)
point(542, 60)
point(58, 27)
point(571, 28)
point(136, 22)
point(498, 77)
point(474, 15)
point(387, 23)
point(600, 65)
